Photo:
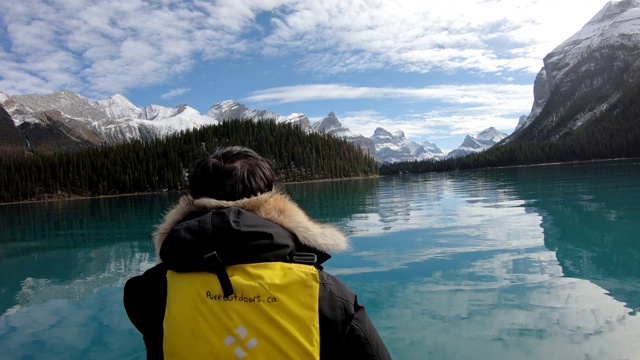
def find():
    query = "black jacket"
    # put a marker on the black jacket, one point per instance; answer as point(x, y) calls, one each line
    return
point(265, 228)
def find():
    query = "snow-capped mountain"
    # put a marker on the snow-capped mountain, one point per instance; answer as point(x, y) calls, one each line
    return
point(25, 108)
point(331, 125)
point(126, 121)
point(480, 142)
point(585, 74)
point(119, 107)
point(73, 121)
point(230, 109)
point(65, 120)
point(432, 148)
point(391, 147)
point(383, 145)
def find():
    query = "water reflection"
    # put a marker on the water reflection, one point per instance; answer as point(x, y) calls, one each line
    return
point(69, 249)
point(334, 201)
point(37, 227)
point(497, 260)
point(418, 218)
point(591, 221)
point(523, 263)
point(94, 328)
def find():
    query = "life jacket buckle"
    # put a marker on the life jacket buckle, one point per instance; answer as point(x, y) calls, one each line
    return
point(213, 259)
point(305, 258)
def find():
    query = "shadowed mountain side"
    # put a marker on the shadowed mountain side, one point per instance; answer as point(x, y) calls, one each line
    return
point(54, 132)
point(10, 140)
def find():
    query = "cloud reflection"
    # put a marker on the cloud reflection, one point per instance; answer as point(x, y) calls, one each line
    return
point(432, 217)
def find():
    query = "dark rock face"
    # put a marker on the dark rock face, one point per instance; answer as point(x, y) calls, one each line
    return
point(10, 139)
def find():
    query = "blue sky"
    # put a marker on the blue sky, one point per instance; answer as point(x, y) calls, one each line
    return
point(437, 70)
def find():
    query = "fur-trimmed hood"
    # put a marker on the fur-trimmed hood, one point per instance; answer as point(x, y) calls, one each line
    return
point(274, 206)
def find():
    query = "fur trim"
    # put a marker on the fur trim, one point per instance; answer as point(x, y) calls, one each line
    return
point(274, 206)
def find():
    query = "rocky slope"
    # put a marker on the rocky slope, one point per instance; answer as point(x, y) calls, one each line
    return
point(585, 74)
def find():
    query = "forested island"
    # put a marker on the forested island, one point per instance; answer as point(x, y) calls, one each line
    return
point(162, 164)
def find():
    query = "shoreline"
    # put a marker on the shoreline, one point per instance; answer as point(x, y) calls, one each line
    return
point(80, 197)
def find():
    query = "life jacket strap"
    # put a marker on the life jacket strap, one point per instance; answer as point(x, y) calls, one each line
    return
point(214, 261)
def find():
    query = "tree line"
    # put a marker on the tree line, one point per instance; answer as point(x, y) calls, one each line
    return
point(163, 164)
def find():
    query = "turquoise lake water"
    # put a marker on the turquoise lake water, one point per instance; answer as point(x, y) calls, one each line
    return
point(518, 263)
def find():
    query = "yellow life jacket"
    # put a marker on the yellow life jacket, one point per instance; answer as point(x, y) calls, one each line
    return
point(272, 314)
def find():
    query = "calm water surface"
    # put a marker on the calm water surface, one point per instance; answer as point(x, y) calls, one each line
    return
point(520, 263)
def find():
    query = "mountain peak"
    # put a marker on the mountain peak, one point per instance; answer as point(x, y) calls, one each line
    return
point(381, 132)
point(227, 110)
point(118, 107)
point(477, 143)
point(328, 123)
point(491, 135)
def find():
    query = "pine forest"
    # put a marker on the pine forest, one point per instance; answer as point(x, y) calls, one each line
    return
point(162, 164)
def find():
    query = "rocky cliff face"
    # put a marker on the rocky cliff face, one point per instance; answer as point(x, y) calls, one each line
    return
point(585, 74)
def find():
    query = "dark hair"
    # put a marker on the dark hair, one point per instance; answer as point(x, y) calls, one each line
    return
point(231, 173)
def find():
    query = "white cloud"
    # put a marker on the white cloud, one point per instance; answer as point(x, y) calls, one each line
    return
point(455, 94)
point(462, 109)
point(483, 36)
point(458, 109)
point(174, 93)
point(99, 48)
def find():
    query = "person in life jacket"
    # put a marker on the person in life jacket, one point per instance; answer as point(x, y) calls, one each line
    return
point(240, 275)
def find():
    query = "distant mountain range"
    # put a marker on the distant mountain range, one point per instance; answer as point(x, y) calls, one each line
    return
point(67, 121)
point(581, 80)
